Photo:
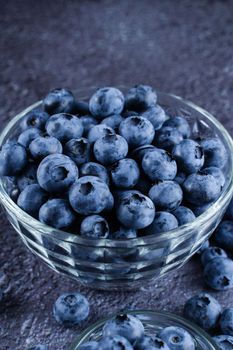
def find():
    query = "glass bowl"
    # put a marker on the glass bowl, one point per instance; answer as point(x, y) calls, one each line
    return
point(129, 264)
point(153, 322)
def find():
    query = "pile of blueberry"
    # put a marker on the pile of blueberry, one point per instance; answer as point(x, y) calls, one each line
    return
point(75, 164)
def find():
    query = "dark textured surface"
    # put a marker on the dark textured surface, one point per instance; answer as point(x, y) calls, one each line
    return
point(184, 47)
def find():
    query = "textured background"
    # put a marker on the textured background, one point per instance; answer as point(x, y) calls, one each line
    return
point(184, 47)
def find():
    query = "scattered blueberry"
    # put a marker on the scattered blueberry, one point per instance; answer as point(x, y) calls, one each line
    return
point(140, 97)
point(105, 102)
point(224, 342)
point(57, 213)
point(98, 131)
point(211, 253)
point(203, 310)
point(42, 146)
point(94, 226)
point(189, 156)
point(180, 124)
point(114, 343)
point(71, 309)
point(226, 321)
point(163, 222)
point(113, 121)
point(64, 127)
point(177, 338)
point(13, 159)
point(167, 137)
point(183, 215)
point(215, 152)
point(59, 101)
point(95, 169)
point(34, 119)
point(218, 274)
point(79, 150)
point(155, 115)
point(223, 235)
point(87, 122)
point(110, 148)
point(27, 136)
point(31, 199)
point(166, 195)
point(125, 173)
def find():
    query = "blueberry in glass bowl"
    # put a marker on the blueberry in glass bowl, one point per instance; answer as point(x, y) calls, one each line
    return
point(115, 214)
point(143, 329)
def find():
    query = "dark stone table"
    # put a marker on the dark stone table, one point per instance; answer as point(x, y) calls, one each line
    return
point(184, 47)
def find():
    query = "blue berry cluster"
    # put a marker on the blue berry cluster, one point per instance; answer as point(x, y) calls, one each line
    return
point(76, 163)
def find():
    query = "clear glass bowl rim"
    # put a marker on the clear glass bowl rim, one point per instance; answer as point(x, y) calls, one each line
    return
point(205, 337)
point(133, 242)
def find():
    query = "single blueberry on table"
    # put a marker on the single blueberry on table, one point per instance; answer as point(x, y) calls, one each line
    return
point(180, 124)
point(59, 101)
point(189, 156)
point(135, 210)
point(183, 215)
point(64, 127)
point(42, 146)
point(226, 321)
point(224, 342)
point(140, 97)
point(56, 173)
point(105, 102)
point(229, 212)
point(113, 121)
point(31, 199)
point(110, 148)
point(90, 345)
point(98, 131)
point(34, 119)
point(57, 213)
point(137, 131)
point(95, 169)
point(71, 309)
point(223, 236)
point(13, 159)
point(27, 177)
point(87, 122)
point(167, 137)
point(38, 347)
point(79, 150)
point(27, 136)
point(177, 338)
point(114, 343)
point(125, 173)
point(216, 173)
point(90, 195)
point(218, 274)
point(155, 115)
point(203, 310)
point(201, 189)
point(149, 343)
point(94, 226)
point(127, 326)
point(158, 165)
point(166, 195)
point(211, 253)
point(215, 152)
point(163, 222)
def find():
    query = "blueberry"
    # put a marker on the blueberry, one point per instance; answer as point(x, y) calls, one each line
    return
point(28, 176)
point(177, 338)
point(137, 131)
point(229, 212)
point(226, 321)
point(126, 113)
point(64, 127)
point(94, 226)
point(223, 235)
point(95, 169)
point(218, 274)
point(110, 148)
point(79, 150)
point(90, 195)
point(90, 345)
point(203, 310)
point(114, 343)
point(211, 253)
point(105, 102)
point(139, 152)
point(180, 177)
point(189, 156)
point(57, 213)
point(38, 347)
point(87, 122)
point(180, 124)
point(124, 233)
point(34, 119)
point(11, 187)
point(158, 165)
point(216, 173)
point(59, 101)
point(27, 136)
point(81, 108)
point(166, 195)
point(113, 121)
point(140, 97)
point(31, 199)
point(56, 173)
point(125, 173)
point(200, 209)
point(98, 131)
point(215, 152)
point(41, 147)
point(148, 343)
point(184, 215)
point(155, 115)
point(127, 326)
point(135, 210)
point(200, 189)
point(204, 246)
point(167, 137)
point(71, 309)
point(224, 342)
point(163, 222)
point(13, 159)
